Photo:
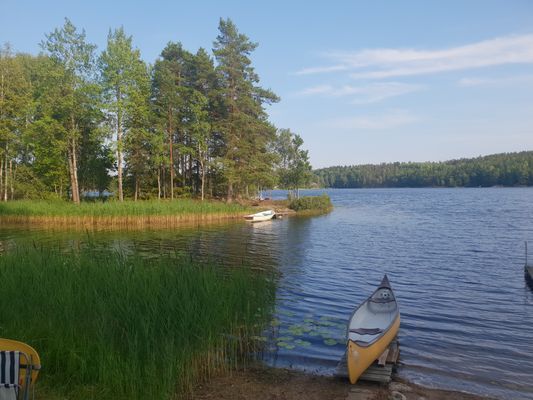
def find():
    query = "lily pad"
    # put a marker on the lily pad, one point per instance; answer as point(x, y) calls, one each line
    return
point(296, 330)
point(303, 343)
point(285, 345)
point(327, 323)
point(330, 342)
point(285, 339)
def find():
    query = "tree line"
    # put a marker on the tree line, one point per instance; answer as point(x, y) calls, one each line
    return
point(191, 123)
point(506, 169)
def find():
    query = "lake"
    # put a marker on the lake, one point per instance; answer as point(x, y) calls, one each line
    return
point(454, 258)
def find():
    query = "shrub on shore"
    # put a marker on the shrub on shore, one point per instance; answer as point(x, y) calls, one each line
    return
point(111, 327)
point(311, 203)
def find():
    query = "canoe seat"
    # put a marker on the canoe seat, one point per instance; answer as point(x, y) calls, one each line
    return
point(382, 300)
point(366, 331)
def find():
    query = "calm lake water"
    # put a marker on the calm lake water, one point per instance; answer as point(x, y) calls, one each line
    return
point(454, 257)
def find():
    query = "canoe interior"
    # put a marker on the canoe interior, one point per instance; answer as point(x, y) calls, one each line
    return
point(374, 317)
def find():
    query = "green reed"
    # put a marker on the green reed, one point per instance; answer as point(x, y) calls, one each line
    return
point(53, 208)
point(110, 327)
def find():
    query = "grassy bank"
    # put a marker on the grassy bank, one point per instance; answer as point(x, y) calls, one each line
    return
point(108, 327)
point(116, 214)
point(320, 203)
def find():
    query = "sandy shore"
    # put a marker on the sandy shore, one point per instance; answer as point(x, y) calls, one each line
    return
point(278, 384)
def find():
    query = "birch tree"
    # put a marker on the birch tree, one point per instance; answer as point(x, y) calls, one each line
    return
point(122, 76)
point(68, 47)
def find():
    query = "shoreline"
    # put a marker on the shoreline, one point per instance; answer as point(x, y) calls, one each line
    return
point(151, 221)
point(119, 222)
point(266, 383)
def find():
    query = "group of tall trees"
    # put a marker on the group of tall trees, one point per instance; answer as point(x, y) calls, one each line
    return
point(506, 169)
point(74, 121)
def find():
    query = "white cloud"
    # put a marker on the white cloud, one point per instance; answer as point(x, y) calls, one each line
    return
point(387, 63)
point(319, 70)
point(314, 90)
point(387, 120)
point(503, 81)
point(363, 94)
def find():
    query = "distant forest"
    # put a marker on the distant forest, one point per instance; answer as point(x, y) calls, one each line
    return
point(506, 169)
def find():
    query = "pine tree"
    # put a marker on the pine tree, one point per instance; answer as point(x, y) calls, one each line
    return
point(242, 119)
point(168, 94)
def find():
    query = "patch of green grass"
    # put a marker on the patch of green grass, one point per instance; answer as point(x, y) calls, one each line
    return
point(312, 203)
point(110, 327)
point(59, 208)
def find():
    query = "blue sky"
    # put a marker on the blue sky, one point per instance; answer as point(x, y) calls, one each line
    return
point(361, 82)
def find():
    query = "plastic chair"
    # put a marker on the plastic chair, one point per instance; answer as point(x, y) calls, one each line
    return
point(19, 368)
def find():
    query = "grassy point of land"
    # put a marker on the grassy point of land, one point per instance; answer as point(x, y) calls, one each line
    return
point(146, 214)
point(130, 214)
point(111, 327)
point(305, 205)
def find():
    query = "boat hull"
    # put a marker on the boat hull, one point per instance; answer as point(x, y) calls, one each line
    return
point(359, 357)
point(259, 217)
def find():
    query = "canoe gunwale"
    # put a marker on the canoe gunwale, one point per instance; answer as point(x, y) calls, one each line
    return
point(385, 284)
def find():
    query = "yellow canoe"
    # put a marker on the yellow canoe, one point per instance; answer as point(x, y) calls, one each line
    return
point(32, 358)
point(372, 327)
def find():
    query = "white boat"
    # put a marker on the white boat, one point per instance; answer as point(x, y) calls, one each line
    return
point(260, 216)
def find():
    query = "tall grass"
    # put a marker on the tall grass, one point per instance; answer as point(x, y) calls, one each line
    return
point(109, 327)
point(117, 215)
point(53, 208)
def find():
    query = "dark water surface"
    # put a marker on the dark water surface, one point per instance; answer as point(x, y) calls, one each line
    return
point(454, 257)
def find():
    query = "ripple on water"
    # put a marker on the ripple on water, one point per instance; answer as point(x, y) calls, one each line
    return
point(454, 258)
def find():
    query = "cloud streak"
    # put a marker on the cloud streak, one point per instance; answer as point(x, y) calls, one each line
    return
point(388, 63)
point(363, 94)
point(503, 81)
point(388, 120)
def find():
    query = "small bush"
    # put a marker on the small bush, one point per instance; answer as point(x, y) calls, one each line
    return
point(322, 203)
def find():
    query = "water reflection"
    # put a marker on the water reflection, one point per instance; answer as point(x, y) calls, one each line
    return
point(454, 258)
